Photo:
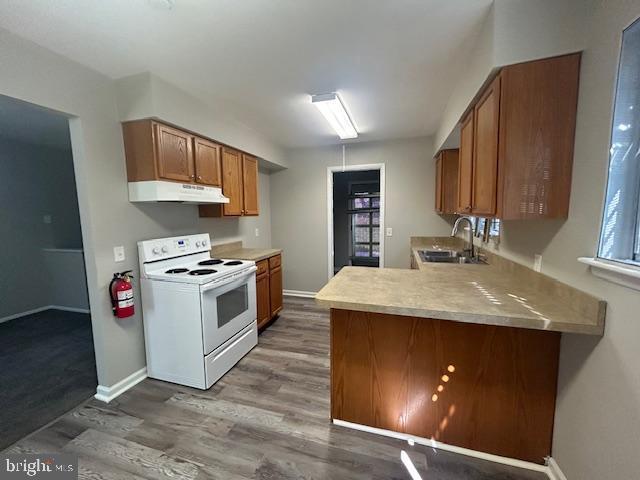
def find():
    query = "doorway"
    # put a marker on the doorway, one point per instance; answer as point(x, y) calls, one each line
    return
point(356, 216)
point(47, 358)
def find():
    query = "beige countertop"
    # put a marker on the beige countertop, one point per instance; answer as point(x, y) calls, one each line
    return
point(502, 293)
point(237, 251)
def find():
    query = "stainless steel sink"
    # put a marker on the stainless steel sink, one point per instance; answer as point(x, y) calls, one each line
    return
point(448, 256)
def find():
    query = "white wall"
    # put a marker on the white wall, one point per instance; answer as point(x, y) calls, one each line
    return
point(515, 31)
point(35, 74)
point(299, 204)
point(598, 405)
point(24, 168)
point(146, 95)
point(65, 276)
point(480, 63)
point(526, 30)
point(224, 230)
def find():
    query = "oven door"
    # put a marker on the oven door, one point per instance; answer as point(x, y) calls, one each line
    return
point(227, 308)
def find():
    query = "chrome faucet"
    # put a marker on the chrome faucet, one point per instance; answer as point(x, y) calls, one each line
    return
point(454, 231)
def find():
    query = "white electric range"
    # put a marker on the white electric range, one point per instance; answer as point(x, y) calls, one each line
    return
point(199, 312)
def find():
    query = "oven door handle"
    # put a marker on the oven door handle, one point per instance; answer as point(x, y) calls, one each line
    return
point(230, 279)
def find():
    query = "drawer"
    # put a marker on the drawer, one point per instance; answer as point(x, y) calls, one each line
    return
point(275, 261)
point(263, 267)
point(220, 361)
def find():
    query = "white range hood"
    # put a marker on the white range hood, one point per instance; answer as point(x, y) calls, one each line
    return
point(160, 191)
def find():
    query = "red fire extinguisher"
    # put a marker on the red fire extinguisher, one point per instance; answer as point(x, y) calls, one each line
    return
point(121, 292)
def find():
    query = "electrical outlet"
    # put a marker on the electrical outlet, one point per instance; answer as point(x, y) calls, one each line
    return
point(47, 219)
point(389, 232)
point(537, 262)
point(257, 232)
point(118, 254)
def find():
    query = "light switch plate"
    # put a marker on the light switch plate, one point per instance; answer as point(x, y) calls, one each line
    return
point(389, 232)
point(47, 219)
point(257, 232)
point(537, 262)
point(118, 253)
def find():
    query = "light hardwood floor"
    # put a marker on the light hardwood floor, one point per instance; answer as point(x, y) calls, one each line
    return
point(268, 418)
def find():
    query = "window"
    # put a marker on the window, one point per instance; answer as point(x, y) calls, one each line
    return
point(491, 225)
point(620, 234)
point(364, 210)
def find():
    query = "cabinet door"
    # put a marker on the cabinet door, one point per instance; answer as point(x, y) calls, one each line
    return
point(232, 181)
point(263, 299)
point(439, 183)
point(449, 178)
point(465, 168)
point(275, 289)
point(250, 184)
point(485, 159)
point(174, 154)
point(207, 162)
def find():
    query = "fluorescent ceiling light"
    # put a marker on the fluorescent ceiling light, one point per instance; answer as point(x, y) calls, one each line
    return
point(331, 106)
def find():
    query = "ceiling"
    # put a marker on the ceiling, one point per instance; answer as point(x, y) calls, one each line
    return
point(393, 61)
point(30, 123)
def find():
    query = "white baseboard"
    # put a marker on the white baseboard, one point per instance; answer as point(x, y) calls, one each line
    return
point(299, 293)
point(70, 309)
point(106, 394)
point(42, 309)
point(24, 314)
point(450, 448)
point(554, 470)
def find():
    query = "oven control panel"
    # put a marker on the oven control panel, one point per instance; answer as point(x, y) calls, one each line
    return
point(164, 248)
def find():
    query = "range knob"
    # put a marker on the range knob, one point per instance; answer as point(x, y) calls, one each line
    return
point(204, 243)
point(156, 251)
point(198, 244)
point(165, 249)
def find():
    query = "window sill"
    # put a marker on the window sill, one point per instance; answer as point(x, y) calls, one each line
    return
point(625, 275)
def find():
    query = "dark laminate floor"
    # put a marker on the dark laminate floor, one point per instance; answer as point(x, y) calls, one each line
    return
point(266, 419)
point(47, 367)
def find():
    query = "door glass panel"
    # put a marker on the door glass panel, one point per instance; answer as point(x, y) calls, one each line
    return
point(361, 250)
point(361, 203)
point(362, 234)
point(232, 304)
point(375, 251)
point(376, 234)
point(362, 218)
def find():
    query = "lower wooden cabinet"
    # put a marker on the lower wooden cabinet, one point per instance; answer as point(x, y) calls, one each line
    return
point(262, 293)
point(275, 288)
point(269, 289)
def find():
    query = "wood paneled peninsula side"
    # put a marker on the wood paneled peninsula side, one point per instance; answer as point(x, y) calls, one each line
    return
point(466, 355)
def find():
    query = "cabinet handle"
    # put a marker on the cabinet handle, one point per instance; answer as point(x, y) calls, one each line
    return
point(192, 177)
point(199, 177)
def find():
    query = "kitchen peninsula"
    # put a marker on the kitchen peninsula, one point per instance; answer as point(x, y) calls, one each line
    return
point(466, 355)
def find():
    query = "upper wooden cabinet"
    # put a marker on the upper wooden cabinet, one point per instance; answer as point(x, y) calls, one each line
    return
point(447, 181)
point(516, 142)
point(465, 164)
point(250, 184)
point(232, 182)
point(174, 153)
point(155, 151)
point(485, 148)
point(207, 162)
point(239, 185)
